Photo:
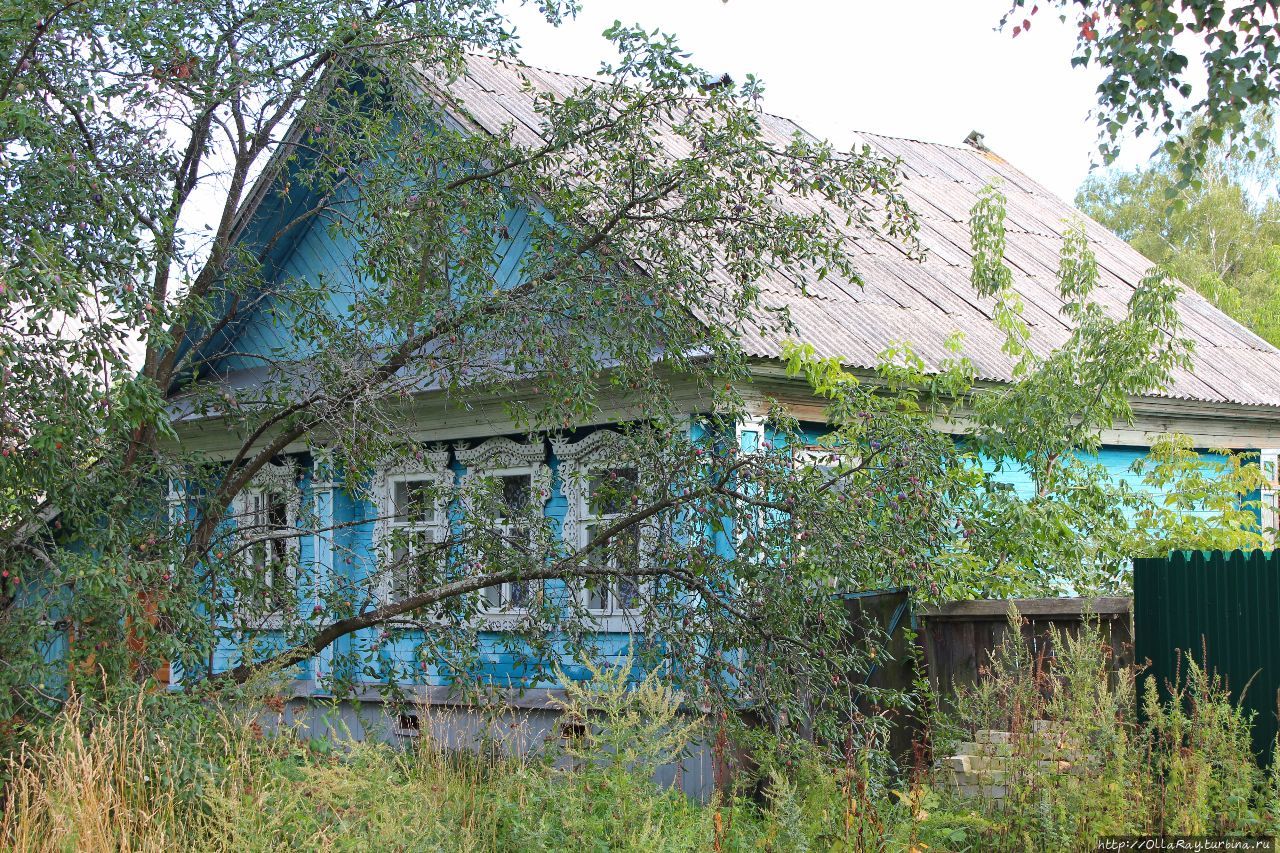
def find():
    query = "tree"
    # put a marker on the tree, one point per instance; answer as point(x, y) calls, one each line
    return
point(131, 140)
point(1192, 71)
point(132, 137)
point(1222, 239)
point(1078, 526)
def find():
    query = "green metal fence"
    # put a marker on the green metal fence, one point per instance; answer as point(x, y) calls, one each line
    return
point(1218, 607)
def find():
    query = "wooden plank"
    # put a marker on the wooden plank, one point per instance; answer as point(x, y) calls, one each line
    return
point(959, 638)
point(1102, 608)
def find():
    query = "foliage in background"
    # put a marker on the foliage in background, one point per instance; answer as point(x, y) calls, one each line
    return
point(1190, 72)
point(1222, 238)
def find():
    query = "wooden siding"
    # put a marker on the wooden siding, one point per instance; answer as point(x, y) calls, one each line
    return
point(352, 555)
point(322, 255)
point(395, 650)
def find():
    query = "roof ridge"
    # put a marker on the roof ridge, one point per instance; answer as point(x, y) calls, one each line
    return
point(960, 146)
point(517, 62)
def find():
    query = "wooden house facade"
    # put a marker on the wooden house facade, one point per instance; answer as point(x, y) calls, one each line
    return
point(1229, 397)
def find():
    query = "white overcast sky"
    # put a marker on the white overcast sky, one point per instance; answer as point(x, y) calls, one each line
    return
point(925, 69)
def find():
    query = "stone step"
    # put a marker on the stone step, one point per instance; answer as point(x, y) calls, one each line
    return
point(1032, 749)
point(974, 748)
point(987, 763)
point(983, 792)
point(987, 777)
point(1055, 731)
point(1049, 727)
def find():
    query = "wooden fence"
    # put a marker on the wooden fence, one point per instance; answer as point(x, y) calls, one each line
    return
point(959, 637)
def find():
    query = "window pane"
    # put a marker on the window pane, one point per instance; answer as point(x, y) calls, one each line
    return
point(410, 563)
point(413, 501)
point(280, 590)
point(627, 593)
point(521, 595)
point(493, 598)
point(518, 536)
point(277, 511)
point(516, 491)
point(279, 551)
point(626, 550)
point(402, 582)
point(597, 594)
point(622, 552)
point(611, 490)
point(600, 555)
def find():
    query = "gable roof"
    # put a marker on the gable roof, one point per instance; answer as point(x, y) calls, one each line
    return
point(922, 302)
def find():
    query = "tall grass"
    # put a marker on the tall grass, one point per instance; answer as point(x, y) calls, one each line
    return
point(101, 782)
point(163, 772)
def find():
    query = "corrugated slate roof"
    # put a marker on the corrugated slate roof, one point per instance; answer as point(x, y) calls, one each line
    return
point(924, 302)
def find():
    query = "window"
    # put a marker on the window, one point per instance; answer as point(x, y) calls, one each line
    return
point(413, 517)
point(609, 492)
point(515, 490)
point(269, 550)
point(600, 491)
point(408, 725)
point(416, 523)
point(521, 480)
point(266, 524)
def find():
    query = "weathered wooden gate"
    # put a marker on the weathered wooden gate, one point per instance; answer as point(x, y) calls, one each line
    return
point(959, 637)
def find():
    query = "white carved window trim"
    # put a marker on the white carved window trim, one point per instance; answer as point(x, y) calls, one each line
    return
point(578, 461)
point(502, 457)
point(823, 457)
point(435, 470)
point(279, 480)
point(1269, 460)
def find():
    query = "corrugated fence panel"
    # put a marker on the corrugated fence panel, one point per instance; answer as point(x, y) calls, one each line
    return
point(1221, 610)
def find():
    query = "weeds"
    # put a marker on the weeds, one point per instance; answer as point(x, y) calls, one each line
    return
point(163, 772)
point(1095, 766)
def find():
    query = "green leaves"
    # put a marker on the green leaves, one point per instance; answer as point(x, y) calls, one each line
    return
point(991, 277)
point(1149, 85)
point(1032, 510)
point(1220, 239)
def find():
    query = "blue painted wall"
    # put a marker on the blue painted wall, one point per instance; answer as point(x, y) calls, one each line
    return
point(323, 256)
point(395, 651)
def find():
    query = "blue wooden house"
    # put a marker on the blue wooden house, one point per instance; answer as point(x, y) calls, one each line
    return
point(1229, 397)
